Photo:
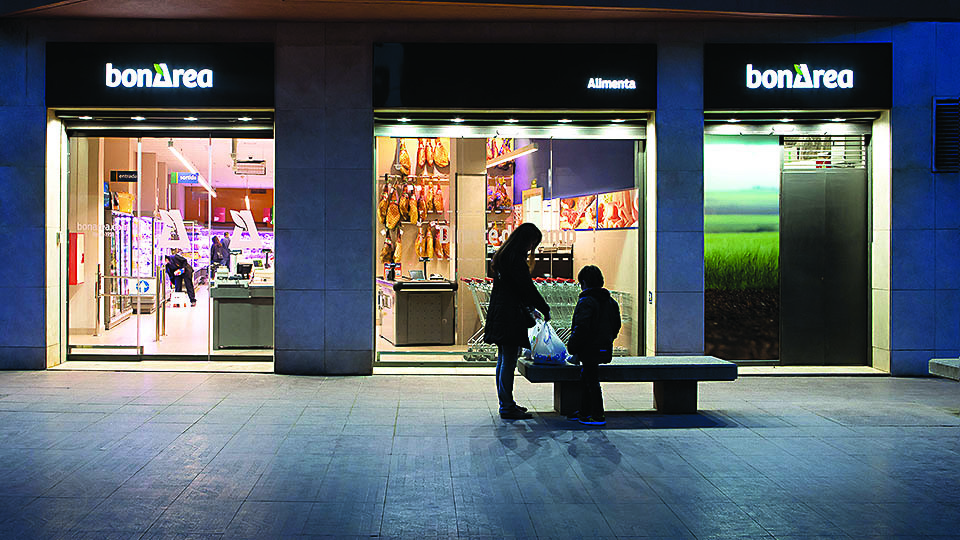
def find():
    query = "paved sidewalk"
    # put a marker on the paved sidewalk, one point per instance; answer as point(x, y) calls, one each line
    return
point(206, 456)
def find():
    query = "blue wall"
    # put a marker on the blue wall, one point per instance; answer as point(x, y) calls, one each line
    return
point(324, 166)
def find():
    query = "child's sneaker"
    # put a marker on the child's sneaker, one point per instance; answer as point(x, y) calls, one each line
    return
point(574, 416)
point(593, 420)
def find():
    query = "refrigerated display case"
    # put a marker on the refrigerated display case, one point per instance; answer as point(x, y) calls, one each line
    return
point(119, 257)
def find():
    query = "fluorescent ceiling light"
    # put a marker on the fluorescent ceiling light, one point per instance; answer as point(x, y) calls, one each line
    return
point(511, 120)
point(191, 119)
point(244, 119)
point(86, 118)
point(618, 120)
point(786, 119)
point(138, 118)
point(404, 119)
point(838, 119)
point(564, 120)
point(732, 120)
point(512, 155)
point(191, 168)
point(457, 120)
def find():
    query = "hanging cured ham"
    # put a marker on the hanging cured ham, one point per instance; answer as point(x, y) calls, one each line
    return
point(429, 152)
point(440, 156)
point(438, 199)
point(386, 253)
point(404, 205)
point(383, 204)
point(421, 153)
point(403, 158)
point(393, 213)
point(429, 242)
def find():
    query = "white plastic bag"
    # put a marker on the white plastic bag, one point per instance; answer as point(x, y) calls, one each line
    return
point(546, 347)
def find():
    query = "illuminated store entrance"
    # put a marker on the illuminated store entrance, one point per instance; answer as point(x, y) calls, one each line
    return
point(170, 238)
point(445, 203)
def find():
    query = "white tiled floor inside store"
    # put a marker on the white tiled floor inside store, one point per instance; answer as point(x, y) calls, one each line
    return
point(187, 330)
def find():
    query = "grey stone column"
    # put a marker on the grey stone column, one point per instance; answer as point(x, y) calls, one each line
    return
point(23, 291)
point(324, 148)
point(679, 249)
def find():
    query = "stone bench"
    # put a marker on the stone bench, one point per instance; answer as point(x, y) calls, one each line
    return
point(945, 367)
point(674, 379)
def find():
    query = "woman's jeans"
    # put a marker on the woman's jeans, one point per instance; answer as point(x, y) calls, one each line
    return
point(506, 365)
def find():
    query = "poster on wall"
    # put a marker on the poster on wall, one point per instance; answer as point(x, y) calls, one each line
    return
point(578, 213)
point(618, 210)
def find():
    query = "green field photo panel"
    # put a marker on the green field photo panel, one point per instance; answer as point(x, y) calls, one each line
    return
point(742, 246)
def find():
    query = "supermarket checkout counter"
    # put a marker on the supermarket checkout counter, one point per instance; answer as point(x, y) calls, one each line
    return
point(243, 308)
point(417, 312)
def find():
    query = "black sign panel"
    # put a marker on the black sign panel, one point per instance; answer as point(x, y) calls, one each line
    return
point(514, 76)
point(123, 176)
point(798, 76)
point(216, 75)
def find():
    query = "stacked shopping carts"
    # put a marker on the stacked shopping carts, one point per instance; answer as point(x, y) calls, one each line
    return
point(561, 295)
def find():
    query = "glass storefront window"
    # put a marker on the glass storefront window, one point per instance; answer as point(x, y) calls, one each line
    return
point(432, 268)
point(173, 248)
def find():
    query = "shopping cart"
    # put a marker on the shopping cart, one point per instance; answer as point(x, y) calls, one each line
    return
point(477, 350)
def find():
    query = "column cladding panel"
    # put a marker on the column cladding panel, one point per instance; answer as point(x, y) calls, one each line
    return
point(920, 324)
point(324, 130)
point(679, 147)
point(22, 143)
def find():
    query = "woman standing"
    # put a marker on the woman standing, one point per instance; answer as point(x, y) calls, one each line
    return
point(509, 314)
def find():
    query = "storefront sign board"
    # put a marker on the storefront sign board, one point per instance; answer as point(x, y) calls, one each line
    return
point(505, 76)
point(221, 75)
point(798, 76)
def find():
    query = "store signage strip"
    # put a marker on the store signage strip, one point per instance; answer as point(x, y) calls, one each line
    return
point(123, 176)
point(159, 77)
point(799, 77)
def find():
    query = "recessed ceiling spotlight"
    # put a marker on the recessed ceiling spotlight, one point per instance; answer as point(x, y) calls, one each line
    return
point(138, 118)
point(511, 120)
point(86, 117)
point(786, 119)
point(733, 120)
point(457, 120)
point(191, 119)
point(618, 120)
point(244, 119)
point(837, 119)
point(564, 120)
point(404, 119)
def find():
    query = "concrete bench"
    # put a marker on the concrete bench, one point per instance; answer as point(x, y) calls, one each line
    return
point(945, 367)
point(674, 379)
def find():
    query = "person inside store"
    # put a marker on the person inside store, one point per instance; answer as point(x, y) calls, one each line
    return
point(596, 323)
point(181, 274)
point(509, 314)
point(219, 254)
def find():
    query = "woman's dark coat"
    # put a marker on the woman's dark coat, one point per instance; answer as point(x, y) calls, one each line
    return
point(513, 293)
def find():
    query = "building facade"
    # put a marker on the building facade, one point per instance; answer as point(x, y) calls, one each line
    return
point(325, 136)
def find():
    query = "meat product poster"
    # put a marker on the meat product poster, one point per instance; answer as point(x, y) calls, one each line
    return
point(578, 213)
point(618, 210)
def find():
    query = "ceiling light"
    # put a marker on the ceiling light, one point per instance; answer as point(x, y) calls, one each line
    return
point(191, 119)
point(244, 119)
point(457, 120)
point(786, 119)
point(512, 155)
point(86, 118)
point(511, 120)
point(191, 168)
point(733, 120)
point(564, 120)
point(838, 119)
point(618, 120)
point(247, 199)
point(404, 119)
point(138, 118)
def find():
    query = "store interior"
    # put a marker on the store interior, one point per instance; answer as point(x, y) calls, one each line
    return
point(443, 205)
point(123, 295)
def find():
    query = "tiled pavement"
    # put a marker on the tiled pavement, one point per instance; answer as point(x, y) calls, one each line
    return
point(207, 456)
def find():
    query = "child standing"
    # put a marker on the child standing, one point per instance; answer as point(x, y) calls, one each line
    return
point(596, 323)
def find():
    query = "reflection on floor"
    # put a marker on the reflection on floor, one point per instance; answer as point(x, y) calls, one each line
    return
point(217, 366)
point(187, 333)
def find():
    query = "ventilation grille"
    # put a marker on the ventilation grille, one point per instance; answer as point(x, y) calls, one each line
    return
point(946, 135)
point(250, 167)
point(803, 153)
